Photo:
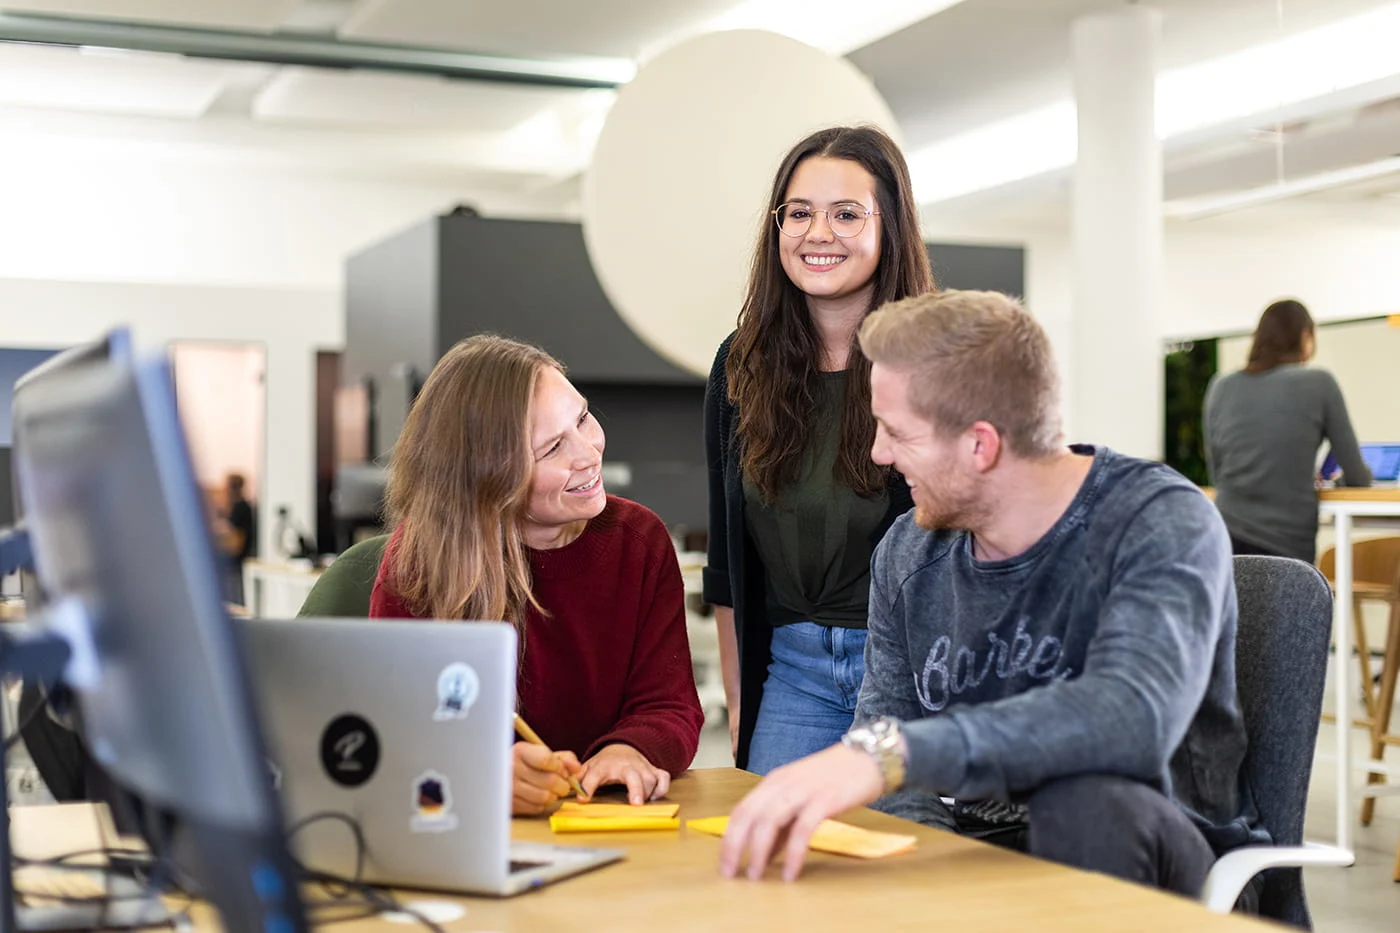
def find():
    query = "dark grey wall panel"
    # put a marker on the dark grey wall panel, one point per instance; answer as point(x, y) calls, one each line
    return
point(984, 268)
point(413, 296)
point(658, 433)
point(391, 296)
point(532, 280)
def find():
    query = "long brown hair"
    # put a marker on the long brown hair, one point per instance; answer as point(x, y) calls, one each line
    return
point(1279, 337)
point(459, 484)
point(774, 358)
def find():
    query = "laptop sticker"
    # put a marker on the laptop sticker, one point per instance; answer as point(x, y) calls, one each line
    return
point(349, 750)
point(432, 804)
point(457, 689)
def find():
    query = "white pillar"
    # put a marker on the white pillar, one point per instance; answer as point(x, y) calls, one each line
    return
point(1117, 382)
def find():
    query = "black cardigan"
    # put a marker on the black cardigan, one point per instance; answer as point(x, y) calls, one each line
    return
point(733, 574)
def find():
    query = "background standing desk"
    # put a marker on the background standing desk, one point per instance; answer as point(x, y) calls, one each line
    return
point(670, 881)
point(1347, 508)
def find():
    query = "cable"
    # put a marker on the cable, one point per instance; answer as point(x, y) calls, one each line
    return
point(177, 916)
point(23, 724)
point(353, 897)
point(352, 891)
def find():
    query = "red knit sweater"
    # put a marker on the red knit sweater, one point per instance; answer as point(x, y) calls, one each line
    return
point(611, 661)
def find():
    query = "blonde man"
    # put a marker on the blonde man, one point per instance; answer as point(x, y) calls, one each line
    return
point(1051, 630)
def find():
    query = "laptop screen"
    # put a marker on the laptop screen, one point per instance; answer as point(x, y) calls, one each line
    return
point(1383, 459)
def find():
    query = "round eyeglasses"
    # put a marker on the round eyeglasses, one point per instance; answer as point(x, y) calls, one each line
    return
point(846, 219)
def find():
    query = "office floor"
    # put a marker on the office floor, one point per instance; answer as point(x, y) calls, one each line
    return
point(1360, 899)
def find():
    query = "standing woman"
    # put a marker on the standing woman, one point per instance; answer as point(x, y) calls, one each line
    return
point(1263, 427)
point(796, 504)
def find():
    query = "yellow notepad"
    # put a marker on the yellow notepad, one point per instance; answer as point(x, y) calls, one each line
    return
point(831, 836)
point(603, 810)
point(610, 824)
point(574, 817)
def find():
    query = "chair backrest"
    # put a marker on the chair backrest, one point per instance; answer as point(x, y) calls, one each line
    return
point(1285, 626)
point(1373, 560)
point(343, 589)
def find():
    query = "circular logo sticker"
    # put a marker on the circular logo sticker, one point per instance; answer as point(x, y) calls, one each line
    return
point(349, 750)
point(457, 689)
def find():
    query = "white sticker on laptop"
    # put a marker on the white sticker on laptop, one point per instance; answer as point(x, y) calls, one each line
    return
point(457, 689)
point(432, 804)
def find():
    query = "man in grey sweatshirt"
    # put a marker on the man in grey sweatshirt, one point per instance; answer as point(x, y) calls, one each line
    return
point(1052, 629)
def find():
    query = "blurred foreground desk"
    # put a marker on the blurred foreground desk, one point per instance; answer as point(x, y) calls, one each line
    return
point(670, 881)
point(1349, 508)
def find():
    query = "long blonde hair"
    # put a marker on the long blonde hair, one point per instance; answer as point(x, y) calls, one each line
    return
point(459, 484)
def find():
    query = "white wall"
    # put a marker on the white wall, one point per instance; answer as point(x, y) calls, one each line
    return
point(1365, 358)
point(1220, 274)
point(291, 323)
point(194, 232)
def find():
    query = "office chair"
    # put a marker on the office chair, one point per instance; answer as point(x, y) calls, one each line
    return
point(343, 589)
point(1285, 626)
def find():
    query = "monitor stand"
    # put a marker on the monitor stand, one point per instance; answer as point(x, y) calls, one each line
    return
point(36, 652)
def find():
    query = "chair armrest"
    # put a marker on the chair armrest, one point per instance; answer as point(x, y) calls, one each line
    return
point(1230, 874)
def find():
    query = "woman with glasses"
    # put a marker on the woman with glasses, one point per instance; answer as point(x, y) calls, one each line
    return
point(796, 504)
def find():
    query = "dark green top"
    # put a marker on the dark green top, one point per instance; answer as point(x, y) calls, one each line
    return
point(814, 541)
point(343, 590)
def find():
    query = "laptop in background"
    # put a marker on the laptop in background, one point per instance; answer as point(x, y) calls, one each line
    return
point(406, 729)
point(1383, 459)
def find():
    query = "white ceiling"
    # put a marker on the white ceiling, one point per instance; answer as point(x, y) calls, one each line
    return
point(962, 66)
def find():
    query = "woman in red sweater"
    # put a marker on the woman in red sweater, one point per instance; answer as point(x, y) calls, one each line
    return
point(497, 492)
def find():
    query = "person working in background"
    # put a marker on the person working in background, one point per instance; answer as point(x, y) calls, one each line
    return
point(796, 506)
point(237, 536)
point(1052, 631)
point(1263, 427)
point(496, 491)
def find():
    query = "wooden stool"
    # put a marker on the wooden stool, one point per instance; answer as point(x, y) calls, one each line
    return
point(1376, 572)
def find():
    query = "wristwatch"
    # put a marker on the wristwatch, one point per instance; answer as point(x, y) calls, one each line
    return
point(880, 739)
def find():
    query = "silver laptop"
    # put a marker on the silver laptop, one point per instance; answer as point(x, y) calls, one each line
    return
point(404, 728)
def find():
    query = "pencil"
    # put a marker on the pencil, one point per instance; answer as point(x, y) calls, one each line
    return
point(533, 737)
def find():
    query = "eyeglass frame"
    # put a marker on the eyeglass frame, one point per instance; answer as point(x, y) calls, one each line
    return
point(868, 213)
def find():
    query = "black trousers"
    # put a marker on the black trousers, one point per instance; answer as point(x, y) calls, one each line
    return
point(1239, 546)
point(1113, 826)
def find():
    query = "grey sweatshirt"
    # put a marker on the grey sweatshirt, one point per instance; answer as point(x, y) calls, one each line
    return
point(1262, 435)
point(1106, 648)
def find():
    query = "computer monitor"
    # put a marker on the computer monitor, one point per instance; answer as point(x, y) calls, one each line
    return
point(115, 521)
point(1383, 459)
point(115, 345)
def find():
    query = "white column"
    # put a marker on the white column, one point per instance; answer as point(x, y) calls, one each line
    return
point(1117, 381)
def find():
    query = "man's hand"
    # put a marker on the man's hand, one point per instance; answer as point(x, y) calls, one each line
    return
point(786, 808)
point(541, 777)
point(623, 764)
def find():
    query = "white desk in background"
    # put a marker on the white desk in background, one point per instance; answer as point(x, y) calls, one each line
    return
point(1349, 508)
point(276, 589)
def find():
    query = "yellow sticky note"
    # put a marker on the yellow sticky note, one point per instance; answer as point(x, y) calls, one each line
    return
point(831, 836)
point(618, 810)
point(610, 824)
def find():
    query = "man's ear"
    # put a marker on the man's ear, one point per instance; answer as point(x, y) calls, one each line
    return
point(985, 443)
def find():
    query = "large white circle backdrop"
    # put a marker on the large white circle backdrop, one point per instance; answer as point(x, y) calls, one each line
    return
point(679, 179)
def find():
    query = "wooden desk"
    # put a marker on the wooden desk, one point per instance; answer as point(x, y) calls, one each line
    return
point(670, 881)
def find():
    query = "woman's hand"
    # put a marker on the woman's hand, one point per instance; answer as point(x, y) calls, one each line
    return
point(623, 764)
point(541, 777)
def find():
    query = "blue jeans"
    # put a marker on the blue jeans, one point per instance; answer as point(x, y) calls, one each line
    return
point(809, 698)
